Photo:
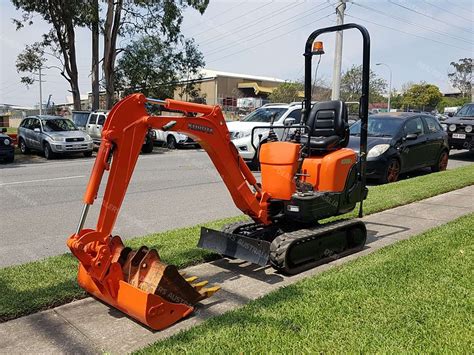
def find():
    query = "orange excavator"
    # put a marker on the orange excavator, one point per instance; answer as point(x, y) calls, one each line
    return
point(305, 178)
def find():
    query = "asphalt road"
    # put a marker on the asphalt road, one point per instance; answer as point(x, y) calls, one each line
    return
point(41, 200)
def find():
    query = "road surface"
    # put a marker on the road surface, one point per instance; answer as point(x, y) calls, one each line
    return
point(41, 201)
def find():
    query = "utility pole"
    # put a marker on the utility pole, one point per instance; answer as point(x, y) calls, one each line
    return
point(389, 85)
point(41, 93)
point(336, 74)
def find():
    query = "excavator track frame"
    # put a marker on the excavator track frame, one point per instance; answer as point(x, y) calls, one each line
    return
point(282, 254)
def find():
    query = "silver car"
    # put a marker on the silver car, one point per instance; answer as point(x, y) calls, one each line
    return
point(53, 135)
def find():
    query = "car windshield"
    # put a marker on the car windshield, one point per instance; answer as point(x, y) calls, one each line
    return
point(466, 111)
point(58, 125)
point(379, 127)
point(264, 114)
point(80, 118)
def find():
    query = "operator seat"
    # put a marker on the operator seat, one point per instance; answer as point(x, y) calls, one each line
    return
point(329, 127)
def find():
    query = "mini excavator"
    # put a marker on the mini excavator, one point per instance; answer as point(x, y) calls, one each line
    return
point(305, 178)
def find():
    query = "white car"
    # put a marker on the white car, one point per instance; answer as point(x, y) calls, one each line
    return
point(173, 139)
point(240, 131)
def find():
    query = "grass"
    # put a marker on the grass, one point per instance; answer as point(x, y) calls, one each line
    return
point(50, 282)
point(414, 296)
point(10, 130)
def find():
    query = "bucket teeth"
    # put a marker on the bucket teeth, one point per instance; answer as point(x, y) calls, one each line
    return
point(209, 291)
point(198, 285)
point(144, 270)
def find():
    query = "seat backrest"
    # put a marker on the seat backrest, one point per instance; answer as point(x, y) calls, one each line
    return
point(329, 118)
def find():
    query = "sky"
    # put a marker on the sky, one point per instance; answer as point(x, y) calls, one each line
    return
point(417, 39)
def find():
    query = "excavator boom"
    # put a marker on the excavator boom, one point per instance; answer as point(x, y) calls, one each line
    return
point(139, 283)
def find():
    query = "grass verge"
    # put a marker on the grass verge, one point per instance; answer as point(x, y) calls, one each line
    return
point(43, 284)
point(414, 296)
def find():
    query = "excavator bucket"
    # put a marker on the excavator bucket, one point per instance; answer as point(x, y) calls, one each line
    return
point(139, 284)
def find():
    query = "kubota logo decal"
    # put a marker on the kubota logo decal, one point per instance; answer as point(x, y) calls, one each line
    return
point(197, 127)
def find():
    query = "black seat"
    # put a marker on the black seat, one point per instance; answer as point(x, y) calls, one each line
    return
point(329, 127)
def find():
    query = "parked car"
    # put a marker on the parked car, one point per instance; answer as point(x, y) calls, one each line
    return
point(460, 128)
point(402, 142)
point(7, 149)
point(173, 139)
point(53, 135)
point(93, 123)
point(240, 131)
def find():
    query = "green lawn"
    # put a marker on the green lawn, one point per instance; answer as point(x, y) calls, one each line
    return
point(10, 130)
point(414, 296)
point(34, 286)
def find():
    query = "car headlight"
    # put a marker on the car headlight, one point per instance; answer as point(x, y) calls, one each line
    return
point(6, 141)
point(87, 137)
point(239, 135)
point(452, 127)
point(445, 126)
point(378, 150)
point(468, 129)
point(57, 139)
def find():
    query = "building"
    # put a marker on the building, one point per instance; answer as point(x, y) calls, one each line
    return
point(224, 88)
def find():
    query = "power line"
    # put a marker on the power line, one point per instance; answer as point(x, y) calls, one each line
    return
point(246, 26)
point(449, 12)
point(272, 27)
point(461, 7)
point(236, 18)
point(411, 23)
point(408, 33)
point(426, 15)
point(271, 39)
point(222, 13)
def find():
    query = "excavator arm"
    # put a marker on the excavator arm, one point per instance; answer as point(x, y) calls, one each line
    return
point(108, 269)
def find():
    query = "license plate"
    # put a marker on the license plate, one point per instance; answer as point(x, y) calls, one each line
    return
point(459, 136)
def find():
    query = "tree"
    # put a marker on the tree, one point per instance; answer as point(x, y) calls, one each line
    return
point(94, 26)
point(30, 61)
point(422, 96)
point(351, 85)
point(461, 77)
point(286, 92)
point(64, 16)
point(157, 18)
point(154, 68)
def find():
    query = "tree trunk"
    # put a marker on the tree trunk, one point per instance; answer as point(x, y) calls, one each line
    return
point(95, 55)
point(111, 27)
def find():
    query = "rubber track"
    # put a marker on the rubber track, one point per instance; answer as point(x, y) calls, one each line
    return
point(282, 243)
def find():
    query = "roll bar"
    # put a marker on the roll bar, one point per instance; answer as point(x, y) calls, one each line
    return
point(364, 99)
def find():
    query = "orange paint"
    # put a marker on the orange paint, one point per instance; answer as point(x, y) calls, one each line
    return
point(279, 161)
point(329, 172)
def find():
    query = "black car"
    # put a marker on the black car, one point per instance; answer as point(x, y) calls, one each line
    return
point(460, 128)
point(7, 150)
point(402, 142)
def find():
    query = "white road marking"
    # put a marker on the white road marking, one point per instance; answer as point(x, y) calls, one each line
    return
point(42, 180)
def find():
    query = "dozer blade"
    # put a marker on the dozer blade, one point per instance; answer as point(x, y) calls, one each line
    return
point(150, 291)
point(235, 246)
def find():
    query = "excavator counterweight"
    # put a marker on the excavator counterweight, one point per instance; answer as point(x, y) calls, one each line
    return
point(307, 177)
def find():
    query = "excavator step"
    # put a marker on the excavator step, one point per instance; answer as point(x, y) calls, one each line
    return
point(254, 250)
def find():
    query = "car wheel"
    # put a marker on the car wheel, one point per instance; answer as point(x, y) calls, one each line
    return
point(88, 154)
point(148, 146)
point(171, 142)
point(392, 171)
point(23, 148)
point(442, 163)
point(48, 153)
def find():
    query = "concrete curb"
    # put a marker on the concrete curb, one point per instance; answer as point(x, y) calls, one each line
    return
point(89, 326)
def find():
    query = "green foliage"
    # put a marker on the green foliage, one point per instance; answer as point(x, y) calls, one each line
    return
point(34, 286)
point(461, 77)
point(154, 68)
point(422, 96)
point(286, 92)
point(30, 61)
point(452, 102)
point(351, 85)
